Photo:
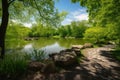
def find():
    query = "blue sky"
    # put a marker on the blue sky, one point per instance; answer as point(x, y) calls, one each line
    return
point(75, 11)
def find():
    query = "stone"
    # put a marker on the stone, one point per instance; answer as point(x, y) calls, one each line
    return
point(49, 68)
point(88, 45)
point(64, 58)
point(77, 52)
point(77, 47)
point(35, 66)
point(52, 55)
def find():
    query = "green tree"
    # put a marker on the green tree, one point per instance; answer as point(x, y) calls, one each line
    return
point(95, 33)
point(78, 29)
point(103, 13)
point(45, 9)
point(62, 31)
point(39, 30)
point(69, 30)
point(75, 29)
point(16, 31)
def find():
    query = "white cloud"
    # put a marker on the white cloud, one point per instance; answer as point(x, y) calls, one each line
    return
point(77, 15)
point(27, 24)
point(81, 17)
point(67, 21)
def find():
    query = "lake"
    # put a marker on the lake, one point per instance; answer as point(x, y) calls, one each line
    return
point(49, 45)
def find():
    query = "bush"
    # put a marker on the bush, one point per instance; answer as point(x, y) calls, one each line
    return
point(95, 33)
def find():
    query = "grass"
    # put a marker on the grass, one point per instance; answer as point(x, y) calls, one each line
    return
point(36, 55)
point(13, 64)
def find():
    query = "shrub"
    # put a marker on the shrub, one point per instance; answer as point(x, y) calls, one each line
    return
point(95, 33)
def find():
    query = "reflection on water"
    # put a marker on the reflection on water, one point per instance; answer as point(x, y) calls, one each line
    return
point(53, 48)
point(28, 48)
point(49, 45)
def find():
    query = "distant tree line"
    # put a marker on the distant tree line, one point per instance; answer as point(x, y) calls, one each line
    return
point(79, 29)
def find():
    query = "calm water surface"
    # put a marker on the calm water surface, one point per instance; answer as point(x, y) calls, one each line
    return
point(49, 45)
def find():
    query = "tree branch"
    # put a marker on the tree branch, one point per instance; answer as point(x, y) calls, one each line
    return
point(37, 7)
point(10, 2)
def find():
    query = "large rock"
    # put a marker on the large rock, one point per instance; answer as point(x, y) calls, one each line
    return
point(65, 58)
point(77, 47)
point(35, 66)
point(49, 67)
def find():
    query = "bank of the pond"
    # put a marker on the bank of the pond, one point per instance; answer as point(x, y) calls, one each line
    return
point(95, 63)
point(50, 45)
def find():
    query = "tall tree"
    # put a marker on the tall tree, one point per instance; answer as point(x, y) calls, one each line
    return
point(43, 8)
point(3, 27)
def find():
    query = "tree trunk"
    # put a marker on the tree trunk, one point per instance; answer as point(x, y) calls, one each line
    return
point(3, 27)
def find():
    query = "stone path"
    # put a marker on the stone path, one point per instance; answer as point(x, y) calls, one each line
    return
point(97, 64)
point(100, 63)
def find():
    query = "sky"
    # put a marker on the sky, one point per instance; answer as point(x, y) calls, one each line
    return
point(75, 11)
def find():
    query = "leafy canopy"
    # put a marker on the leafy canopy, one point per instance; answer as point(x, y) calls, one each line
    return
point(104, 13)
point(33, 11)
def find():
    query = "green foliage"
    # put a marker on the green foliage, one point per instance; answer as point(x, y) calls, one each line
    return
point(31, 11)
point(111, 32)
point(75, 29)
point(95, 33)
point(62, 15)
point(41, 31)
point(16, 31)
point(78, 29)
point(13, 64)
point(104, 13)
point(62, 31)
point(36, 55)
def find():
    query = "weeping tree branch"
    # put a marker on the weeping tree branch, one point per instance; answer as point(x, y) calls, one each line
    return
point(39, 10)
point(37, 7)
point(10, 1)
